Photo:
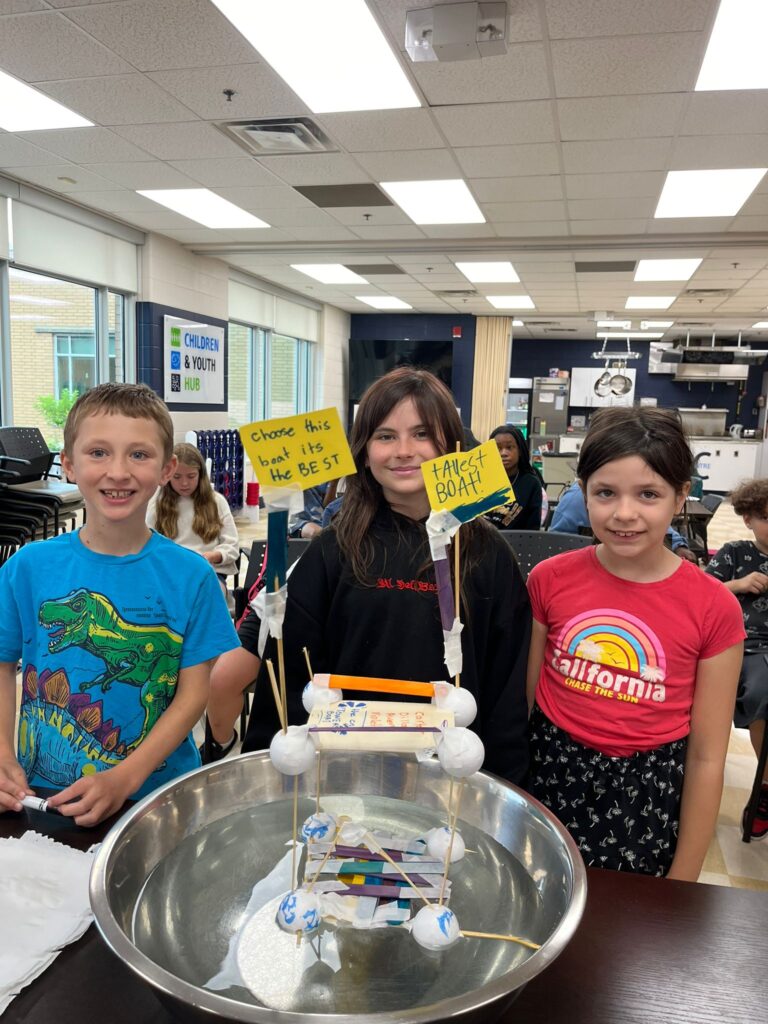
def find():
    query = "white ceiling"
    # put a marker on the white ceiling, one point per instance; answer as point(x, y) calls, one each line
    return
point(564, 142)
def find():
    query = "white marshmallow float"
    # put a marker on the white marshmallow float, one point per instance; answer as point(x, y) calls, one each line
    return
point(435, 927)
point(292, 752)
point(460, 752)
point(318, 826)
point(458, 700)
point(318, 696)
point(438, 841)
point(299, 911)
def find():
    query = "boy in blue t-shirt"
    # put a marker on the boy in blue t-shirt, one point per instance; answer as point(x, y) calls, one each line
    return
point(116, 626)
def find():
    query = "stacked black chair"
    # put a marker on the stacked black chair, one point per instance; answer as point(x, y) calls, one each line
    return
point(533, 546)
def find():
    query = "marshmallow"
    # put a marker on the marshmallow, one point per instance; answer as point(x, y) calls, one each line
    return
point(458, 700)
point(460, 752)
point(292, 752)
point(318, 696)
point(318, 826)
point(299, 911)
point(438, 841)
point(435, 927)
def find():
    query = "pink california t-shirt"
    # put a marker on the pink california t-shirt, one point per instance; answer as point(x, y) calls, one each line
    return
point(620, 661)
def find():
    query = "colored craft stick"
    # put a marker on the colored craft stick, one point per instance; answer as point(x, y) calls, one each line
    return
point(277, 548)
point(445, 597)
point(373, 728)
point(373, 684)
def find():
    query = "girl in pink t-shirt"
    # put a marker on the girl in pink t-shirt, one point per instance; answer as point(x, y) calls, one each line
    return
point(634, 660)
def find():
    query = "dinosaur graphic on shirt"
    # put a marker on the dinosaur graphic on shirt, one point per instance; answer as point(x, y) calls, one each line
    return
point(139, 655)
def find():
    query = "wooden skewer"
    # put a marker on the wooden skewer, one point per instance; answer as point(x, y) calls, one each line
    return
point(295, 838)
point(504, 938)
point(326, 858)
point(309, 667)
point(317, 795)
point(449, 851)
point(276, 694)
point(281, 670)
point(380, 849)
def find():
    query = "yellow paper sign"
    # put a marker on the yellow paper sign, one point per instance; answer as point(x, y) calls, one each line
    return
point(307, 449)
point(468, 484)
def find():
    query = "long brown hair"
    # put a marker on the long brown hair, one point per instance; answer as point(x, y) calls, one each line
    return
point(206, 522)
point(363, 494)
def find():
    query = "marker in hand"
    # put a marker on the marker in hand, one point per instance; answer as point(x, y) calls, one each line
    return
point(37, 803)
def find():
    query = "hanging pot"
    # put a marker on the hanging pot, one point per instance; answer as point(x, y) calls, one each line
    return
point(603, 385)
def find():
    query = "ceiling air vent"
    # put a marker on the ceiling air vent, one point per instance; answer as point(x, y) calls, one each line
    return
point(279, 135)
point(458, 293)
point(561, 330)
point(707, 293)
point(695, 324)
point(542, 323)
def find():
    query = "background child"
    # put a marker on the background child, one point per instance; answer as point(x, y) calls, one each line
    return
point(189, 511)
point(525, 512)
point(116, 625)
point(742, 565)
point(634, 659)
point(363, 599)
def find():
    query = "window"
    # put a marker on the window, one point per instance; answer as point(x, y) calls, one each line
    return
point(270, 374)
point(65, 337)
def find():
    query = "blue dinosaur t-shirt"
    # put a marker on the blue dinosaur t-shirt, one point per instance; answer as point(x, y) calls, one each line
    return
point(102, 639)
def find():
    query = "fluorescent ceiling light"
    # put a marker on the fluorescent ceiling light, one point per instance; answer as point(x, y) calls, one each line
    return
point(435, 202)
point(735, 55)
point(707, 193)
point(511, 301)
point(329, 273)
point(761, 325)
point(649, 301)
point(203, 206)
point(666, 270)
point(650, 325)
point(619, 325)
point(489, 273)
point(518, 323)
point(333, 55)
point(629, 335)
point(24, 109)
point(383, 302)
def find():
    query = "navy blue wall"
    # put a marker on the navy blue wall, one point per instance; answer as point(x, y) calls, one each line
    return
point(425, 327)
point(533, 358)
point(149, 351)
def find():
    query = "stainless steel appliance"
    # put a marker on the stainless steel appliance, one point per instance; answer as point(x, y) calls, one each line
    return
point(549, 410)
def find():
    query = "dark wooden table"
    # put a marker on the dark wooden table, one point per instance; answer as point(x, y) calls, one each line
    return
point(648, 951)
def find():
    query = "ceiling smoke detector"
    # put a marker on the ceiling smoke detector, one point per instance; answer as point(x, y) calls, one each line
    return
point(278, 136)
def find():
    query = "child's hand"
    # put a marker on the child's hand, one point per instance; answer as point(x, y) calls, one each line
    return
point(13, 784)
point(94, 797)
point(755, 583)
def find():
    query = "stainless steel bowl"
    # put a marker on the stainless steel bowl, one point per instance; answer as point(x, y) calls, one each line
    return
point(171, 880)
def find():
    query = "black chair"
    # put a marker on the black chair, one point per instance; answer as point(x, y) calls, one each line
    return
point(533, 546)
point(757, 785)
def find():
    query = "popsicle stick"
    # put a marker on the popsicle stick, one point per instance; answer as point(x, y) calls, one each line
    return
point(503, 938)
point(377, 685)
point(449, 851)
point(380, 849)
point(276, 694)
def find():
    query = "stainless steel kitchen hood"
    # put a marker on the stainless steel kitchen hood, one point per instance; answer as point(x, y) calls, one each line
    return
point(712, 373)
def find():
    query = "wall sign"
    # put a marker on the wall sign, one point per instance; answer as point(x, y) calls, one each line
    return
point(193, 362)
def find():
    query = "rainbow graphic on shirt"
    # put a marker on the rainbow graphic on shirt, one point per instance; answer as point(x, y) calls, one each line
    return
point(608, 652)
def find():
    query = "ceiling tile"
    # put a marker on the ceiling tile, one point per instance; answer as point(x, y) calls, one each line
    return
point(355, 216)
point(22, 6)
point(610, 209)
point(191, 140)
point(750, 223)
point(609, 186)
point(499, 190)
point(702, 152)
point(530, 228)
point(387, 231)
point(120, 201)
point(15, 152)
point(290, 217)
point(521, 72)
point(630, 155)
point(327, 233)
point(626, 64)
point(259, 92)
point(45, 47)
point(536, 210)
point(156, 36)
point(726, 113)
point(315, 169)
point(198, 235)
point(119, 99)
point(363, 131)
point(575, 18)
point(620, 117)
point(85, 145)
point(51, 176)
point(410, 165)
point(236, 172)
point(491, 161)
point(255, 199)
point(457, 230)
point(486, 124)
point(151, 174)
point(608, 227)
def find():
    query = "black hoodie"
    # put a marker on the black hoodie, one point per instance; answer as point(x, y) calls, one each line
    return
point(392, 629)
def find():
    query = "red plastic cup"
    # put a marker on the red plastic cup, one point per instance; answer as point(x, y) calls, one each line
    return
point(252, 494)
